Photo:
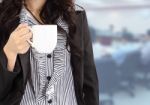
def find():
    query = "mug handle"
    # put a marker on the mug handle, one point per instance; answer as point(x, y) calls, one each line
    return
point(31, 43)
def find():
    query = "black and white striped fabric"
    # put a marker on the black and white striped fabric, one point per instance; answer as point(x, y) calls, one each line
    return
point(51, 74)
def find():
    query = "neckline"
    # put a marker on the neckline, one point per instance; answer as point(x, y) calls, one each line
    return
point(33, 15)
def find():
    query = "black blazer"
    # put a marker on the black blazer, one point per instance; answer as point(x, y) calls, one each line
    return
point(12, 84)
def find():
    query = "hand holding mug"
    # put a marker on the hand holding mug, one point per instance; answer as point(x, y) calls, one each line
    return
point(17, 42)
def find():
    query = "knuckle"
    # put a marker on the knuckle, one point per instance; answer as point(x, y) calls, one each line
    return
point(21, 52)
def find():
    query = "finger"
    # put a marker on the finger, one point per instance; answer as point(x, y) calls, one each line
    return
point(23, 32)
point(24, 50)
point(22, 25)
point(24, 45)
point(27, 36)
point(27, 44)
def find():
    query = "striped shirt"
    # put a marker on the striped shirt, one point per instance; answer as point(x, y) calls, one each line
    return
point(51, 74)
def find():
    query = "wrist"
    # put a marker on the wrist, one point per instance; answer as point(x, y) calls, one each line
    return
point(11, 58)
point(8, 52)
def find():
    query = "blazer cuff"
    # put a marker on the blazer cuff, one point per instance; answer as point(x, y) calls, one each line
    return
point(3, 63)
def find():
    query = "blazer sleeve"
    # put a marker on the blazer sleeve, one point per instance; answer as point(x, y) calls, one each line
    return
point(90, 87)
point(6, 77)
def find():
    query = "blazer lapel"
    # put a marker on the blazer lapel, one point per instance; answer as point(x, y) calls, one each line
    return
point(77, 64)
point(25, 64)
point(78, 40)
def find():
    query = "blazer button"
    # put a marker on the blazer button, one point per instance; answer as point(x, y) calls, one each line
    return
point(48, 78)
point(49, 56)
point(50, 101)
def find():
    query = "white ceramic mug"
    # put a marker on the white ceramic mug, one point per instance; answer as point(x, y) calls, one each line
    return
point(44, 38)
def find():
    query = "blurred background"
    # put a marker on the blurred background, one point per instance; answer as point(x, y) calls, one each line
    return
point(120, 32)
